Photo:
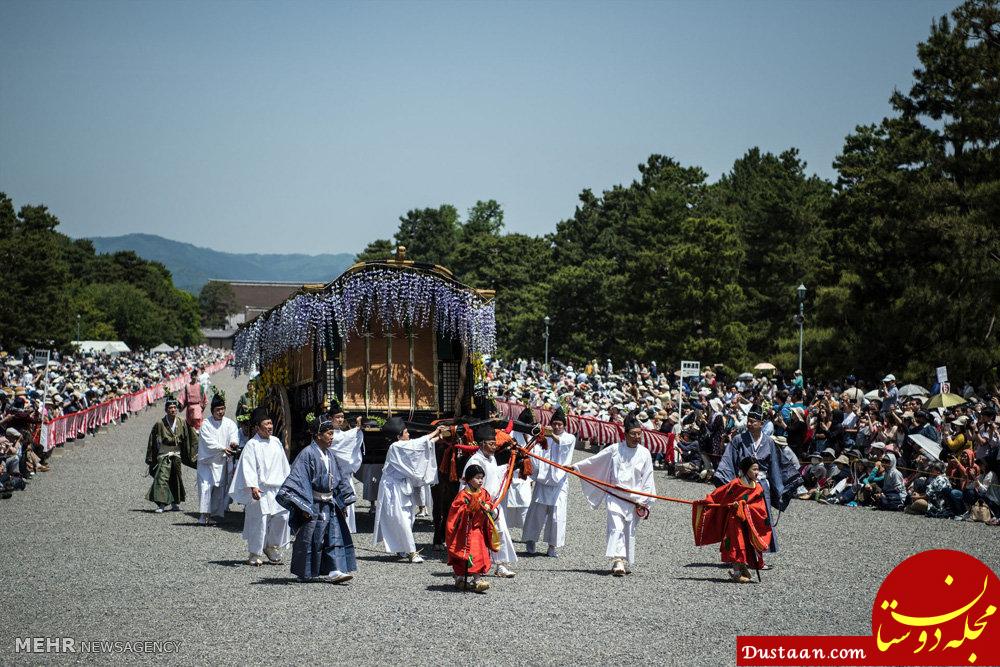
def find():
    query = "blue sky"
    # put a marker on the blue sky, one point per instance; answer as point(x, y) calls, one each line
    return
point(310, 127)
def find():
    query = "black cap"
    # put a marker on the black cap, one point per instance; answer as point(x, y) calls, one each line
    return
point(558, 416)
point(394, 428)
point(485, 432)
point(259, 414)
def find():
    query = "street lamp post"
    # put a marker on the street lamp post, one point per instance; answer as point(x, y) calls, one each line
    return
point(77, 326)
point(547, 320)
point(801, 318)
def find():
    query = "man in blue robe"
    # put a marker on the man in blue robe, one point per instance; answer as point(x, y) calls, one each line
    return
point(756, 444)
point(317, 493)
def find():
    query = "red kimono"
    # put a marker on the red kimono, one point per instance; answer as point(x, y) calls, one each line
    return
point(469, 533)
point(739, 523)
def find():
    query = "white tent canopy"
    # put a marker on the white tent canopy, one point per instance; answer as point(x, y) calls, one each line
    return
point(100, 346)
point(163, 347)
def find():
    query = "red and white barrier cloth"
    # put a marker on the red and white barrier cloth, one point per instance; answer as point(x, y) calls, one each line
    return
point(69, 427)
point(589, 428)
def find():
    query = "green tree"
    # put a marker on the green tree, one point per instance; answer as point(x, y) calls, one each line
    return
point(781, 217)
point(918, 197)
point(215, 303)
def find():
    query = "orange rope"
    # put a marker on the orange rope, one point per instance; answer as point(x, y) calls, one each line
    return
point(607, 486)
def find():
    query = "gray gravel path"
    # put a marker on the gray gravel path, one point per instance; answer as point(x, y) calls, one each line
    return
point(83, 556)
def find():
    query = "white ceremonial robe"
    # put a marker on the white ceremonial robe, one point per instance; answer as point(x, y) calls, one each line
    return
point(264, 465)
point(214, 466)
point(549, 497)
point(494, 480)
point(518, 499)
point(409, 464)
point(627, 467)
point(348, 448)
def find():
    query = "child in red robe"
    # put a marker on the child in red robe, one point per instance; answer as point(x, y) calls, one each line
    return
point(737, 519)
point(470, 534)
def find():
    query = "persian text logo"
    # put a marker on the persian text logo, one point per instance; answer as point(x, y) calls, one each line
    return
point(74, 645)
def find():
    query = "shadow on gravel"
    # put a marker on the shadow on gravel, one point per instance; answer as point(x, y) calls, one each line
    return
point(715, 565)
point(228, 563)
point(447, 588)
point(282, 581)
point(145, 511)
point(387, 558)
point(716, 580)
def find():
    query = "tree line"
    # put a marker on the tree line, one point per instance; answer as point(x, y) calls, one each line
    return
point(900, 253)
point(56, 289)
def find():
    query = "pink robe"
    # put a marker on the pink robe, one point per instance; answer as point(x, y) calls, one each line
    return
point(195, 402)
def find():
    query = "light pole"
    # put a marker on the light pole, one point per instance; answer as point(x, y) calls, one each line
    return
point(801, 319)
point(547, 320)
point(78, 327)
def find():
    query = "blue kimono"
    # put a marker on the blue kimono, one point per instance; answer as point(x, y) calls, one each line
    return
point(318, 487)
point(770, 465)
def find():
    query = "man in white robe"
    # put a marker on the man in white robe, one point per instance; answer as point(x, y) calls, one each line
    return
point(484, 458)
point(409, 464)
point(549, 498)
point(262, 469)
point(628, 465)
point(518, 499)
point(218, 440)
point(348, 448)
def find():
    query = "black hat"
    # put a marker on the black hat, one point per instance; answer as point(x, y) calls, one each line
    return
point(472, 471)
point(526, 416)
point(485, 432)
point(746, 463)
point(335, 407)
point(631, 422)
point(755, 413)
point(218, 399)
point(558, 416)
point(259, 415)
point(171, 400)
point(394, 428)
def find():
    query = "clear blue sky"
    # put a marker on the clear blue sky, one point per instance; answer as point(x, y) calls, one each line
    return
point(310, 127)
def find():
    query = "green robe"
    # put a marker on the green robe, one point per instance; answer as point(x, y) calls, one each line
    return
point(164, 467)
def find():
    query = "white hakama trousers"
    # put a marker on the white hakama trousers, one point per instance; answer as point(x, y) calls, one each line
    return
point(507, 554)
point(517, 502)
point(394, 516)
point(264, 530)
point(213, 496)
point(621, 536)
point(547, 522)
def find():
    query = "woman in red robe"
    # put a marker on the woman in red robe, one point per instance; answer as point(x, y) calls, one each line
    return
point(735, 516)
point(470, 533)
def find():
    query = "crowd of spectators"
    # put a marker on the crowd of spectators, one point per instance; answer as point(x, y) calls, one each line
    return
point(31, 394)
point(847, 442)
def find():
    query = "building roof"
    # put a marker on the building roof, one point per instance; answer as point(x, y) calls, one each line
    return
point(254, 298)
point(218, 333)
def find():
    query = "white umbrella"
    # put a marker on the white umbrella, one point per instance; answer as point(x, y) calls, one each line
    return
point(872, 395)
point(913, 390)
point(852, 393)
point(931, 448)
point(765, 366)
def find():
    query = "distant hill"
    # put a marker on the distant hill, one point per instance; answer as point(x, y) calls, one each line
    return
point(192, 266)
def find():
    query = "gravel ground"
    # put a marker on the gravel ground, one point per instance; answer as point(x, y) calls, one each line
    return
point(85, 557)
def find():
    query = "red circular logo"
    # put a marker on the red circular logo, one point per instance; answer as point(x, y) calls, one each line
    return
point(939, 607)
